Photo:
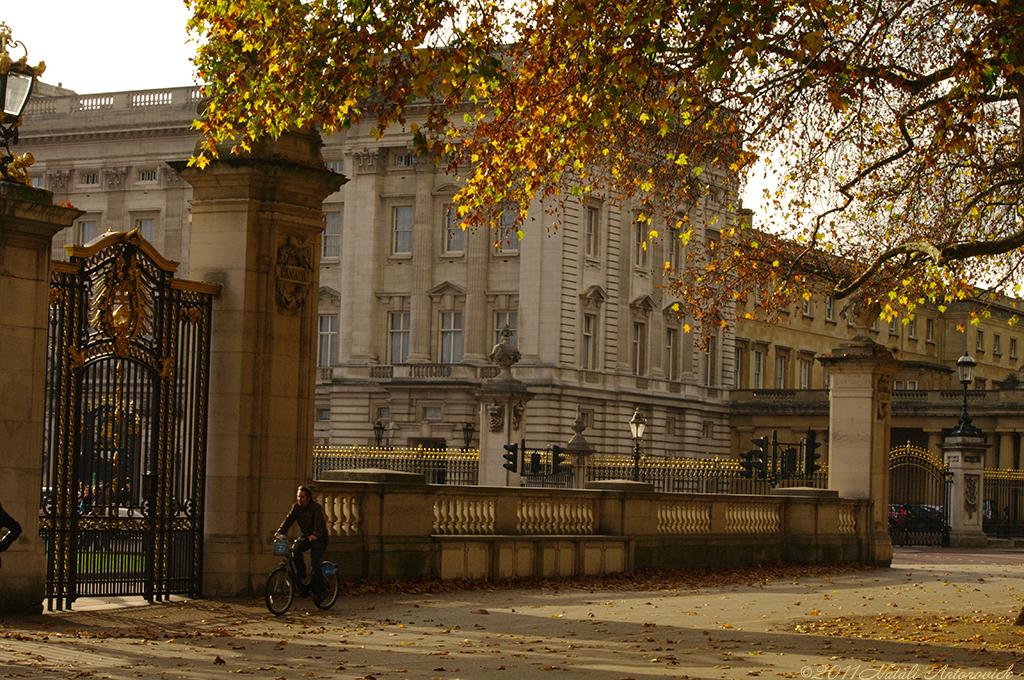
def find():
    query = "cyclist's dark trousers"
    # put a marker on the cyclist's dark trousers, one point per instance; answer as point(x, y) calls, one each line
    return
point(316, 555)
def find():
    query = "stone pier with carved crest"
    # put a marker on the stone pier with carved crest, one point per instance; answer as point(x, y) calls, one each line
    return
point(965, 460)
point(860, 412)
point(257, 222)
point(28, 221)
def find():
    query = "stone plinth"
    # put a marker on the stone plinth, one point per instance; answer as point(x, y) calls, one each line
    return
point(965, 457)
point(257, 222)
point(503, 417)
point(28, 222)
point(860, 401)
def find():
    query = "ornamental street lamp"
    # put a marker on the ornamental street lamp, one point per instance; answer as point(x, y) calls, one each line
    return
point(467, 434)
point(637, 425)
point(965, 373)
point(378, 431)
point(17, 79)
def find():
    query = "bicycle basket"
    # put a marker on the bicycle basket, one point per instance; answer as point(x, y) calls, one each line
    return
point(280, 548)
point(329, 569)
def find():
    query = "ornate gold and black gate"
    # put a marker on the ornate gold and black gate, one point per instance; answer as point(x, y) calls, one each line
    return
point(126, 405)
point(919, 488)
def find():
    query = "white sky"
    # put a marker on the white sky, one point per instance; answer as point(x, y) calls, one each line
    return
point(104, 45)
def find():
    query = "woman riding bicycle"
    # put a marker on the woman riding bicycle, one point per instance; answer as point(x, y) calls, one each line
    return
point(312, 522)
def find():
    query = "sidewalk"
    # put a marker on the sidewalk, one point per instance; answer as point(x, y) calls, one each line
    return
point(934, 608)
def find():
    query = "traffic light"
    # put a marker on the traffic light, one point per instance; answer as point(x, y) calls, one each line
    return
point(787, 463)
point(811, 455)
point(752, 464)
point(557, 458)
point(535, 463)
point(511, 458)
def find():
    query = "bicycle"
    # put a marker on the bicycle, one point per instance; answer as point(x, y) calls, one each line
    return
point(284, 581)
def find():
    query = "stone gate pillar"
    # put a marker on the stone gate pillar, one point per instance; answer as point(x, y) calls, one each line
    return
point(503, 402)
point(860, 401)
point(28, 222)
point(257, 222)
point(965, 457)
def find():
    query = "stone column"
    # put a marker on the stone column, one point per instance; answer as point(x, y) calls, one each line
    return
point(965, 456)
point(477, 319)
point(859, 415)
point(28, 222)
point(421, 317)
point(257, 222)
point(503, 402)
point(1006, 456)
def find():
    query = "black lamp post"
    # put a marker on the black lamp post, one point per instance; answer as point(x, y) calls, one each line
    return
point(637, 425)
point(467, 435)
point(17, 79)
point(378, 431)
point(965, 373)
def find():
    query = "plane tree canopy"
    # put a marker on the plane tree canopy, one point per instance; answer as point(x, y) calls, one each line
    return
point(892, 126)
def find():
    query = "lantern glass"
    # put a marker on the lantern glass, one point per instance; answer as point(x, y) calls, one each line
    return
point(965, 369)
point(637, 425)
point(16, 94)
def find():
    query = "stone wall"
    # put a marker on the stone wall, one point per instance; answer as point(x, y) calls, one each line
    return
point(396, 527)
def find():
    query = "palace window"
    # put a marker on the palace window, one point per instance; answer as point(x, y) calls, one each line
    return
point(87, 230)
point(454, 236)
point(398, 337)
point(327, 348)
point(451, 337)
point(780, 371)
point(592, 227)
point(709, 365)
point(508, 232)
point(588, 348)
point(510, 318)
point(638, 349)
point(805, 374)
point(145, 227)
point(671, 354)
point(640, 243)
point(402, 243)
point(332, 235)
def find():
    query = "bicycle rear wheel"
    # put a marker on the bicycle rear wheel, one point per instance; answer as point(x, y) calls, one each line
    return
point(280, 591)
point(331, 584)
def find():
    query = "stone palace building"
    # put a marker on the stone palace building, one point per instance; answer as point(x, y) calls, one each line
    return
point(411, 305)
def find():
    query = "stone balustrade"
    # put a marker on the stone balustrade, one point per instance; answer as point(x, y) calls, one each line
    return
point(387, 525)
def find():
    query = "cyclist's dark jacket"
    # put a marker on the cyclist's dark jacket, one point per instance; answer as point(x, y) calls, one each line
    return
point(312, 520)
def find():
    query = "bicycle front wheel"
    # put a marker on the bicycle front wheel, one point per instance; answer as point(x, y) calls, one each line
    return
point(331, 585)
point(280, 591)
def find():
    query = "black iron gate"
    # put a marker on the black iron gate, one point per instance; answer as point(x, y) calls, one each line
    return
point(919, 488)
point(126, 402)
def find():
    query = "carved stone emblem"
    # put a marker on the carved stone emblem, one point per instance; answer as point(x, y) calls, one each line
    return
point(518, 411)
point(495, 416)
point(294, 273)
point(971, 495)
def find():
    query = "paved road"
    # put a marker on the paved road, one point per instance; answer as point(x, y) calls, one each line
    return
point(734, 631)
